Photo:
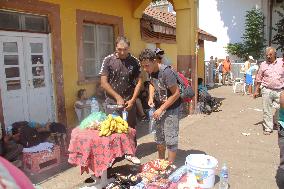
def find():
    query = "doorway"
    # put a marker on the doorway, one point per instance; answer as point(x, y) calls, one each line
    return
point(26, 82)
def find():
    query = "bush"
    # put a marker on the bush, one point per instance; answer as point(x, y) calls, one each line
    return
point(253, 37)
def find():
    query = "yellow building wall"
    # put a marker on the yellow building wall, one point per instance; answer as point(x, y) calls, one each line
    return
point(201, 64)
point(170, 52)
point(69, 41)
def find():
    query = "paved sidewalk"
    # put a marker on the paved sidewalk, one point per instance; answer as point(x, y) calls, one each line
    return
point(252, 159)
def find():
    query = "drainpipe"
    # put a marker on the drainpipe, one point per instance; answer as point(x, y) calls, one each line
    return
point(271, 3)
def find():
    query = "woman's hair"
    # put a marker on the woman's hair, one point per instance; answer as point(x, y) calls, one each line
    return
point(80, 93)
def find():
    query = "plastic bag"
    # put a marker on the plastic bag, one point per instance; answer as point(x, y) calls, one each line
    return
point(93, 120)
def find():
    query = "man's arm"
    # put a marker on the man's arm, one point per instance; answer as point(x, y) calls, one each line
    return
point(106, 86)
point(137, 89)
point(151, 95)
point(256, 93)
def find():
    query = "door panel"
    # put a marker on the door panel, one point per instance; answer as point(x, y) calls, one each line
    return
point(12, 76)
point(37, 69)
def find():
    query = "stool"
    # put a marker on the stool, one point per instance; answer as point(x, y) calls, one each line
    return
point(41, 161)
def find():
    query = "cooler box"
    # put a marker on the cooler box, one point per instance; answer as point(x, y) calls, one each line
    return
point(41, 161)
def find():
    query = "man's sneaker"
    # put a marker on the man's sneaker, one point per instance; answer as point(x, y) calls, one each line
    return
point(132, 159)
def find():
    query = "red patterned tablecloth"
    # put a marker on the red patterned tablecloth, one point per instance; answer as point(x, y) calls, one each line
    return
point(88, 150)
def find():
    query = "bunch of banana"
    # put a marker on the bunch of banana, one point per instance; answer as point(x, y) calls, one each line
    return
point(111, 125)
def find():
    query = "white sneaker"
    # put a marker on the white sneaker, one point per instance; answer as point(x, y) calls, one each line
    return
point(132, 159)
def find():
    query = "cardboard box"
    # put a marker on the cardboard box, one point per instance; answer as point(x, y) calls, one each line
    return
point(41, 161)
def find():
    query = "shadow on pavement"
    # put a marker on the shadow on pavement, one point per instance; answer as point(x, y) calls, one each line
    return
point(125, 169)
point(182, 154)
point(48, 174)
point(216, 85)
point(146, 149)
point(142, 129)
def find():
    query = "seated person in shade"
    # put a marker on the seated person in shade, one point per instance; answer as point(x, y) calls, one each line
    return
point(82, 105)
point(202, 88)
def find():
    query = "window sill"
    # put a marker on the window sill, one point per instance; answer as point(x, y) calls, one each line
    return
point(89, 81)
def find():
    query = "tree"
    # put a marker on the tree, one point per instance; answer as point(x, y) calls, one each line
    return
point(253, 37)
point(278, 39)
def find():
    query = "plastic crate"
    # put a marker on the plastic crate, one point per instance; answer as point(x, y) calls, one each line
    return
point(41, 161)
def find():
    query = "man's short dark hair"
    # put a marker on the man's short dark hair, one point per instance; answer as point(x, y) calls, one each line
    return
point(122, 39)
point(147, 54)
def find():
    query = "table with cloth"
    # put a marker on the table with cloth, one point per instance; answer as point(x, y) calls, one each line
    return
point(92, 152)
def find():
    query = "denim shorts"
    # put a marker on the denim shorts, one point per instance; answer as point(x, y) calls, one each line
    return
point(168, 128)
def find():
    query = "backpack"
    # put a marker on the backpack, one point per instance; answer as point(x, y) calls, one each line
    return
point(186, 90)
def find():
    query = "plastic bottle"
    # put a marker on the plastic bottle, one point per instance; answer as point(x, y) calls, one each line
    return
point(94, 105)
point(177, 174)
point(224, 177)
point(152, 123)
point(124, 115)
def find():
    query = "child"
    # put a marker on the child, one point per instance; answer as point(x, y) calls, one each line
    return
point(82, 105)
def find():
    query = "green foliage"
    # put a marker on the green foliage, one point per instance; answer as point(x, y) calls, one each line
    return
point(237, 49)
point(278, 39)
point(253, 37)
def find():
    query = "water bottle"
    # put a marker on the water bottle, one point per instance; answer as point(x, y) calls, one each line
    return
point(224, 177)
point(177, 174)
point(94, 105)
point(152, 123)
point(124, 115)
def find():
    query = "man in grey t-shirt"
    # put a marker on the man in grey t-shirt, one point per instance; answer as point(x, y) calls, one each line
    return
point(164, 94)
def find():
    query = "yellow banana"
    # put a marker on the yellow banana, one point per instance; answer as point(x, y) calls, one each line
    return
point(118, 119)
point(119, 131)
point(105, 131)
point(101, 133)
point(109, 133)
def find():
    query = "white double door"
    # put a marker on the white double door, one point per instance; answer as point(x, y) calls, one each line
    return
point(25, 75)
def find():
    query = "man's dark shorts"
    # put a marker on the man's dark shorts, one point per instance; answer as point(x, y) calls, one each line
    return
point(168, 128)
